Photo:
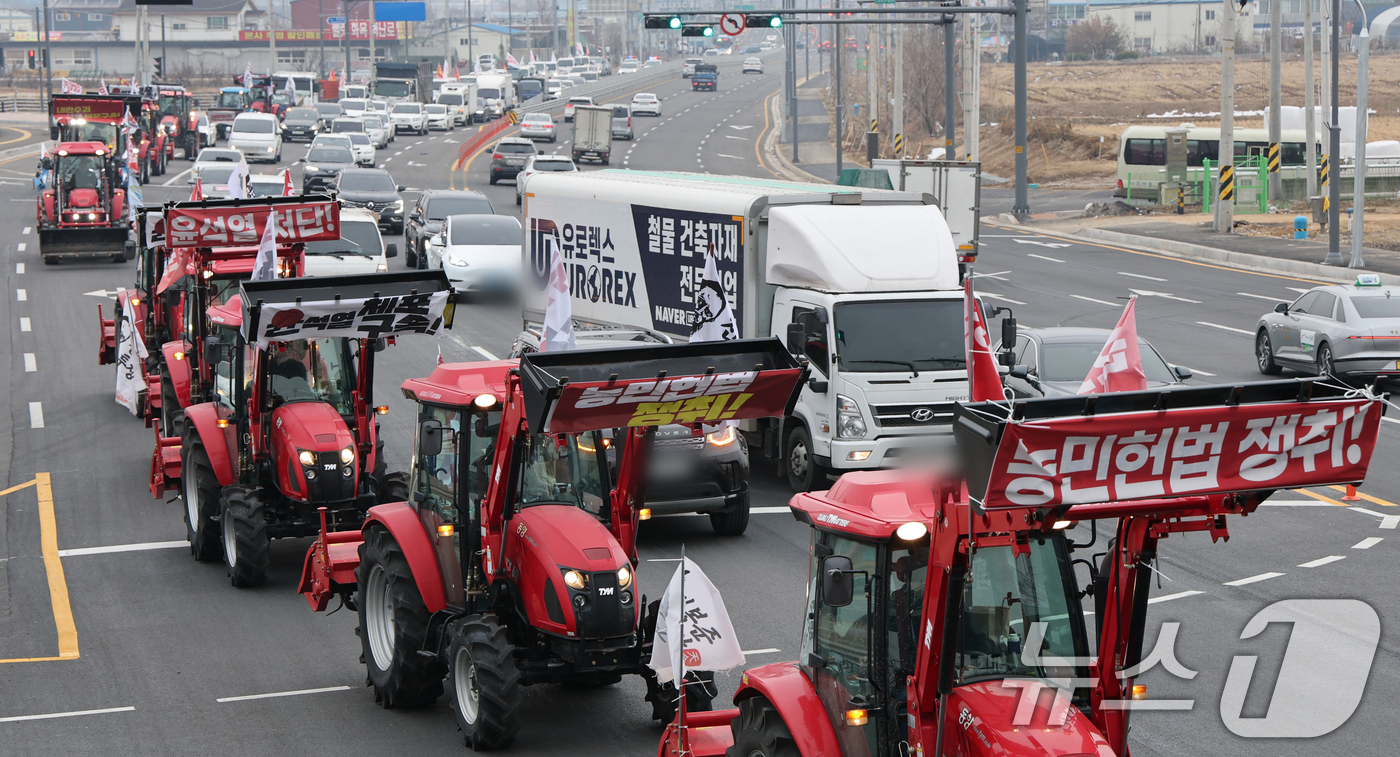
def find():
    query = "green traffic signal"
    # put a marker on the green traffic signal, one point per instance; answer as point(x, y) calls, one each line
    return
point(675, 22)
point(775, 21)
point(709, 31)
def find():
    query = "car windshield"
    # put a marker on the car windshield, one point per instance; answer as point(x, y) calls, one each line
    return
point(329, 155)
point(253, 125)
point(328, 109)
point(353, 104)
point(1377, 307)
point(450, 98)
point(391, 88)
point(436, 108)
point(371, 181)
point(1072, 361)
point(339, 140)
point(215, 175)
point(230, 100)
point(580, 101)
point(312, 370)
point(408, 108)
point(554, 165)
point(356, 238)
point(621, 111)
point(265, 186)
point(514, 148)
point(373, 121)
point(538, 118)
point(563, 469)
point(873, 337)
point(342, 127)
point(380, 106)
point(442, 207)
point(359, 139)
point(485, 230)
point(221, 156)
point(301, 114)
point(488, 93)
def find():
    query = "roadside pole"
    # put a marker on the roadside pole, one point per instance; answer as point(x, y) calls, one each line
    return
point(1363, 61)
point(1323, 30)
point(1022, 206)
point(950, 90)
point(48, 64)
point(790, 74)
point(897, 122)
point(272, 40)
point(1334, 147)
point(345, 38)
point(1309, 101)
point(372, 68)
point(872, 101)
point(839, 52)
point(971, 93)
point(1225, 206)
point(1276, 98)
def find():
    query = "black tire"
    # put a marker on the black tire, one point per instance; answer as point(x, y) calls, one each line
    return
point(1264, 355)
point(517, 198)
point(394, 626)
point(732, 523)
point(482, 682)
point(759, 731)
point(494, 179)
point(244, 526)
point(804, 474)
point(1325, 366)
point(395, 488)
point(200, 490)
point(410, 256)
point(172, 416)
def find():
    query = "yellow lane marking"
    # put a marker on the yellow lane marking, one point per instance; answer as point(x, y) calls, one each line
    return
point(767, 124)
point(53, 566)
point(1316, 496)
point(26, 134)
point(1366, 497)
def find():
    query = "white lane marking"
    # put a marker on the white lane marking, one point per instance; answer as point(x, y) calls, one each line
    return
point(484, 353)
point(1261, 297)
point(113, 548)
point(170, 182)
point(1042, 257)
point(768, 650)
point(1170, 597)
point(998, 275)
point(19, 268)
point(1163, 295)
point(1001, 297)
point(275, 694)
point(29, 365)
point(1091, 299)
point(731, 136)
point(1368, 542)
point(24, 325)
point(1225, 328)
point(27, 229)
point(36, 415)
point(1253, 579)
point(74, 714)
point(1322, 561)
point(1140, 276)
point(735, 157)
point(735, 127)
point(20, 248)
point(1387, 521)
point(1198, 370)
point(22, 295)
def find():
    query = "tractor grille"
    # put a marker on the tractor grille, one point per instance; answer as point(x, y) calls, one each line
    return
point(904, 416)
point(330, 484)
point(603, 612)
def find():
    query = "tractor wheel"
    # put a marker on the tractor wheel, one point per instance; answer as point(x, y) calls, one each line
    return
point(483, 681)
point(394, 626)
point(759, 731)
point(172, 416)
point(201, 494)
point(394, 489)
point(146, 171)
point(735, 523)
point(245, 536)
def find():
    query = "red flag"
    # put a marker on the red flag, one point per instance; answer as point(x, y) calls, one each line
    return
point(287, 189)
point(984, 383)
point(1118, 368)
point(197, 194)
point(439, 354)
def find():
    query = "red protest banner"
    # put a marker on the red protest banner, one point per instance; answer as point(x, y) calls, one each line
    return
point(233, 226)
point(585, 406)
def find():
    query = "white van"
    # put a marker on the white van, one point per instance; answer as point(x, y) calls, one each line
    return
point(359, 250)
point(258, 136)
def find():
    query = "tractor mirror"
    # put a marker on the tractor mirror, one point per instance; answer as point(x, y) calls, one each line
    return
point(381, 344)
point(53, 133)
point(1008, 333)
point(213, 348)
point(430, 438)
point(796, 336)
point(837, 588)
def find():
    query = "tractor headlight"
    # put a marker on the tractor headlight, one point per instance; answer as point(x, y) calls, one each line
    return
point(574, 580)
point(306, 457)
point(624, 577)
point(849, 423)
point(347, 455)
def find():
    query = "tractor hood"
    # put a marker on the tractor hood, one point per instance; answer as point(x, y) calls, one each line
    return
point(311, 426)
point(571, 538)
point(986, 713)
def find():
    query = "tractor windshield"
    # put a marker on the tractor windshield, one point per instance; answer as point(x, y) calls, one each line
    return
point(564, 469)
point(231, 100)
point(80, 172)
point(312, 370)
point(90, 131)
point(1021, 616)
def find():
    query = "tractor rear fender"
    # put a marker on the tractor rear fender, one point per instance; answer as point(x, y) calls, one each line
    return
point(204, 418)
point(178, 369)
point(792, 694)
point(402, 522)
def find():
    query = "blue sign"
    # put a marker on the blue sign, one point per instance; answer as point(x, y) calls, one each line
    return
point(337, 20)
point(400, 11)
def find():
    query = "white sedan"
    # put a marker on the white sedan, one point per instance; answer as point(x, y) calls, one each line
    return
point(538, 126)
point(646, 102)
point(409, 117)
point(439, 117)
point(538, 164)
point(753, 64)
point(479, 253)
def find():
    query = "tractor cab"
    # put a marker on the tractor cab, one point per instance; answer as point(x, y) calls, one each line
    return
point(233, 98)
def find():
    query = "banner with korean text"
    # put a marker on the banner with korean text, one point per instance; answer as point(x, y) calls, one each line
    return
point(234, 225)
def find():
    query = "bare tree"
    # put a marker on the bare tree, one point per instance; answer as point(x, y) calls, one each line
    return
point(1098, 37)
point(924, 77)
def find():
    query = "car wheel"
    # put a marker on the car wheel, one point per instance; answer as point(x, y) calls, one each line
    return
point(1325, 366)
point(494, 179)
point(1264, 355)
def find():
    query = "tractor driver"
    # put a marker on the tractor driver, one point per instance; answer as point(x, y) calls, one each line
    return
point(81, 172)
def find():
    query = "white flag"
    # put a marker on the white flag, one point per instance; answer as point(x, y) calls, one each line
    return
point(102, 86)
point(248, 76)
point(265, 267)
point(558, 310)
point(133, 199)
point(238, 180)
point(714, 318)
point(292, 89)
point(131, 350)
point(694, 634)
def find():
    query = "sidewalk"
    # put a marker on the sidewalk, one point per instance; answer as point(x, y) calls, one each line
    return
point(816, 155)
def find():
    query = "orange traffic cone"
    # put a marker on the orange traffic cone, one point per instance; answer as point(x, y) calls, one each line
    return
point(1351, 494)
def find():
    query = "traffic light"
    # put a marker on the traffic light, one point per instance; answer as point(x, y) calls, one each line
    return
point(754, 21)
point(698, 30)
point(31, 59)
point(160, 66)
point(662, 22)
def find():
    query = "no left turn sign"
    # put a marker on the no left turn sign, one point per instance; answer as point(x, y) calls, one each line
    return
point(731, 23)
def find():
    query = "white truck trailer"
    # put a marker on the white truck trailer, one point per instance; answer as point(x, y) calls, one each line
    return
point(864, 283)
point(592, 137)
point(956, 186)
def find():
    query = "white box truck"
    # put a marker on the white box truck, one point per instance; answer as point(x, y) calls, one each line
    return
point(495, 95)
point(592, 137)
point(864, 283)
point(956, 186)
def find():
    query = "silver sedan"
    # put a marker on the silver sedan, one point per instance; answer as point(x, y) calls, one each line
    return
point(1351, 331)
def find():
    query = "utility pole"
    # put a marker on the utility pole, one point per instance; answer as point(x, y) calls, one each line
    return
point(164, 49)
point(790, 73)
point(897, 123)
point(950, 99)
point(554, 29)
point(1225, 206)
point(1022, 206)
point(145, 45)
point(972, 64)
point(1323, 32)
point(345, 38)
point(1276, 98)
point(1309, 100)
point(321, 24)
point(372, 76)
point(839, 34)
point(1358, 201)
point(872, 51)
point(135, 53)
point(471, 54)
point(1334, 147)
point(48, 64)
point(271, 39)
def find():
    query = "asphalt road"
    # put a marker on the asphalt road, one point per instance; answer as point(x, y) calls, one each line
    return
point(167, 653)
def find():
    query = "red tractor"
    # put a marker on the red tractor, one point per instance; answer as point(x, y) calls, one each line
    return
point(177, 119)
point(288, 445)
point(83, 212)
point(152, 319)
point(941, 610)
point(507, 556)
point(98, 118)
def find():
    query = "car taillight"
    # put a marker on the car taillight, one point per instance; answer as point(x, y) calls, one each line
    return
point(1120, 183)
point(967, 258)
point(497, 156)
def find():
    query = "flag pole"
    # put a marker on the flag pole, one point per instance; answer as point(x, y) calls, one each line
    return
point(682, 743)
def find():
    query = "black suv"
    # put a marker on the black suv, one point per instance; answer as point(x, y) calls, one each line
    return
point(323, 164)
point(508, 157)
point(301, 123)
point(427, 214)
point(374, 189)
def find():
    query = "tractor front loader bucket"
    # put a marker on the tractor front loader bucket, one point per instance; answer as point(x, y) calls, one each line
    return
point(83, 242)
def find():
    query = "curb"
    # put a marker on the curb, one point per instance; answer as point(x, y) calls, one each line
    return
point(783, 166)
point(19, 152)
point(1230, 257)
